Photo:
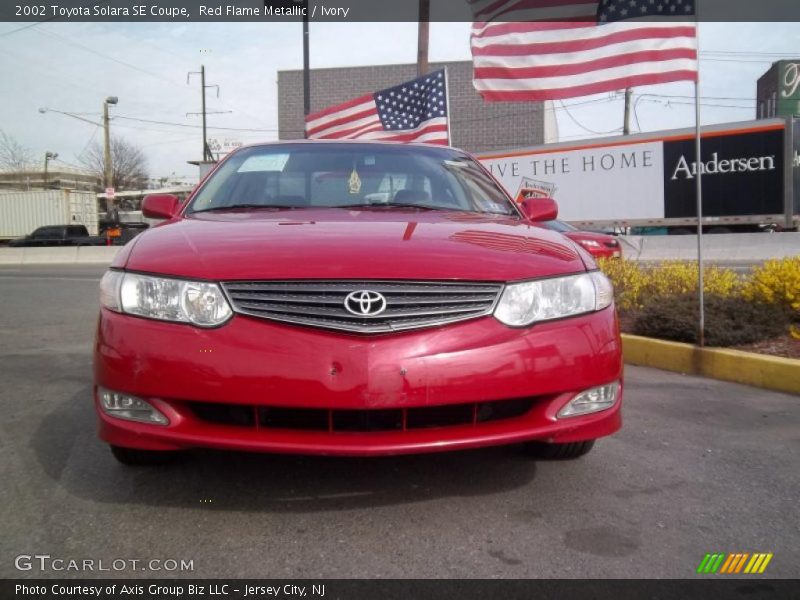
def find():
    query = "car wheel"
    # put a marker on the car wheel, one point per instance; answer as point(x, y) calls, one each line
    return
point(558, 451)
point(134, 458)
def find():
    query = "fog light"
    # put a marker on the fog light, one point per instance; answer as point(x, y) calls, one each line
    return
point(130, 408)
point(591, 401)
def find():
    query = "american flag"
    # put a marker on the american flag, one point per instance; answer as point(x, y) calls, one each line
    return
point(527, 50)
point(414, 111)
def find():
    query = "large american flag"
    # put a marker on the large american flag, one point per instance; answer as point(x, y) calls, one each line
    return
point(414, 111)
point(550, 49)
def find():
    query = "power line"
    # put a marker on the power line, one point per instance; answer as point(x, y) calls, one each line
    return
point(579, 124)
point(747, 53)
point(89, 143)
point(154, 121)
point(66, 40)
point(43, 21)
point(742, 98)
point(454, 121)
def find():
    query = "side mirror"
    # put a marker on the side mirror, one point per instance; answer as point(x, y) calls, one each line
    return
point(539, 209)
point(160, 206)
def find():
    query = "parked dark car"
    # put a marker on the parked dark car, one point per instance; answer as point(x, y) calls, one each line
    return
point(59, 235)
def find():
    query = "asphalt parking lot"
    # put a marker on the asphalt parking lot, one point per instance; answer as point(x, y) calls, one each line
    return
point(700, 466)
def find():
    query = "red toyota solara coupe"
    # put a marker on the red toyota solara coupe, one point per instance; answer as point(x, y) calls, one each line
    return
point(354, 298)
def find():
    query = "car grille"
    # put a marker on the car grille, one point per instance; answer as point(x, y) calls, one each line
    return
point(360, 421)
point(409, 304)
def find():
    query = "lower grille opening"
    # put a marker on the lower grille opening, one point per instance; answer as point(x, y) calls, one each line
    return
point(440, 416)
point(360, 421)
point(293, 418)
point(224, 414)
point(506, 409)
point(367, 420)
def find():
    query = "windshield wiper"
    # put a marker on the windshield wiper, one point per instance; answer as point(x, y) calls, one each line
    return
point(235, 206)
point(390, 205)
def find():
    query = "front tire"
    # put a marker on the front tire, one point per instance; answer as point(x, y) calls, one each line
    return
point(136, 458)
point(569, 451)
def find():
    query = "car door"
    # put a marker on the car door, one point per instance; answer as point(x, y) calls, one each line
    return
point(39, 237)
point(49, 236)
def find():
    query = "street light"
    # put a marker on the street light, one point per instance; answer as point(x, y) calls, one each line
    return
point(107, 142)
point(47, 158)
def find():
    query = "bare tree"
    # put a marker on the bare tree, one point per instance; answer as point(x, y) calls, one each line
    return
point(128, 165)
point(13, 155)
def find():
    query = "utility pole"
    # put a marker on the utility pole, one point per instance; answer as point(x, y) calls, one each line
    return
point(423, 37)
point(206, 151)
point(628, 96)
point(306, 69)
point(48, 156)
point(207, 155)
point(107, 167)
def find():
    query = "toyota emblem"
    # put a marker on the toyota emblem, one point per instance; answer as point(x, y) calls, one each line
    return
point(365, 303)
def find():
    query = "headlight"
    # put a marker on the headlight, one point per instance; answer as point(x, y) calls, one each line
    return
point(589, 244)
point(196, 302)
point(526, 303)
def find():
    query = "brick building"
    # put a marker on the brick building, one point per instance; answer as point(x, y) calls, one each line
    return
point(475, 125)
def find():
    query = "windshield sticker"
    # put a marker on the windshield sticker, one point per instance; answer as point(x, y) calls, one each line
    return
point(264, 162)
point(354, 183)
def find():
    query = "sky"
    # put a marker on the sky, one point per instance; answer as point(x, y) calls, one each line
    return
point(72, 67)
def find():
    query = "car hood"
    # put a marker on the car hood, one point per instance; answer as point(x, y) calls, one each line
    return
point(350, 244)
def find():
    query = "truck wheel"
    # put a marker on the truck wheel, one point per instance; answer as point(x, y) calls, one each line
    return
point(134, 458)
point(558, 451)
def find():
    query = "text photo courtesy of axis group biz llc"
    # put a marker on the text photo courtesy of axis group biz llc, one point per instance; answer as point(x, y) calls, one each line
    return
point(402, 299)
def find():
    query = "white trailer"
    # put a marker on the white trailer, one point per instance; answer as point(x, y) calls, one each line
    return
point(751, 177)
point(22, 212)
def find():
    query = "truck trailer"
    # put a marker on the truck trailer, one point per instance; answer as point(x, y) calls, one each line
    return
point(750, 177)
point(23, 212)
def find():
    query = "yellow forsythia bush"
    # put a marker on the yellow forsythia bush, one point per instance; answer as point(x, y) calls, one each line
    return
point(636, 285)
point(675, 278)
point(628, 279)
point(776, 282)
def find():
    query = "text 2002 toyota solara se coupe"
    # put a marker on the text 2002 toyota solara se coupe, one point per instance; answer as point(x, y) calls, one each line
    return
point(355, 299)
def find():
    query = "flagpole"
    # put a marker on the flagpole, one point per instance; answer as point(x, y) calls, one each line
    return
point(306, 69)
point(447, 104)
point(701, 336)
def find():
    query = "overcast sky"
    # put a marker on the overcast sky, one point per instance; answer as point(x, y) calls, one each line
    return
point(73, 67)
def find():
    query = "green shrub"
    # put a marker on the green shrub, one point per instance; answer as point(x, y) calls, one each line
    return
point(730, 321)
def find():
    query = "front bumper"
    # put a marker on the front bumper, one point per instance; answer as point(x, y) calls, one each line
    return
point(256, 363)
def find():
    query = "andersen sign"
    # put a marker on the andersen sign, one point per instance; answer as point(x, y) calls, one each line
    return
point(653, 179)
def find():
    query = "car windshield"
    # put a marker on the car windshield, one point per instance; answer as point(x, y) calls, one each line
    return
point(560, 226)
point(351, 175)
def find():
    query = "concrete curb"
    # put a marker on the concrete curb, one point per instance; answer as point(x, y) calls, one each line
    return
point(55, 255)
point(758, 370)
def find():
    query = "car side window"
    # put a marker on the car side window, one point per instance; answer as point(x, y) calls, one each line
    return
point(48, 233)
